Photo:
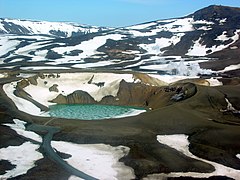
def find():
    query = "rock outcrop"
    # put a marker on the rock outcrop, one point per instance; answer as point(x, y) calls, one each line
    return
point(77, 97)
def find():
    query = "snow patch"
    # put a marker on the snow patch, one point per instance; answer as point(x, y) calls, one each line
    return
point(160, 43)
point(3, 75)
point(89, 47)
point(42, 67)
point(25, 75)
point(22, 104)
point(97, 160)
point(198, 49)
point(222, 37)
point(19, 127)
point(7, 45)
point(214, 82)
point(180, 143)
point(238, 156)
point(142, 26)
point(230, 68)
point(91, 65)
point(23, 157)
point(234, 47)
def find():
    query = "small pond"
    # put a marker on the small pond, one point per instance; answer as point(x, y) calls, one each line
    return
point(92, 111)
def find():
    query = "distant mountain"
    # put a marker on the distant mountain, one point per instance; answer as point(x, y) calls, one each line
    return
point(209, 37)
point(58, 29)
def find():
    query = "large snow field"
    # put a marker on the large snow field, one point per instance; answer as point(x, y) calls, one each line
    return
point(98, 160)
point(88, 47)
point(44, 27)
point(172, 25)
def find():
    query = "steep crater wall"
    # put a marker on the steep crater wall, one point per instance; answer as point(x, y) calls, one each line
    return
point(139, 90)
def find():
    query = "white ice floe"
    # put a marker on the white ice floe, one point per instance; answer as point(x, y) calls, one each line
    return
point(180, 143)
point(98, 160)
point(214, 82)
point(19, 127)
point(23, 157)
point(22, 104)
point(230, 68)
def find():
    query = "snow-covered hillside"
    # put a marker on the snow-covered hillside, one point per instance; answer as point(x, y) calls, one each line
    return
point(164, 46)
point(58, 29)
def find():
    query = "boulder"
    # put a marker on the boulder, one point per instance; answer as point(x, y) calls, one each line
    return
point(54, 88)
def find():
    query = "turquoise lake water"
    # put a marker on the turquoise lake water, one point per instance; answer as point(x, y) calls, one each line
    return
point(93, 111)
